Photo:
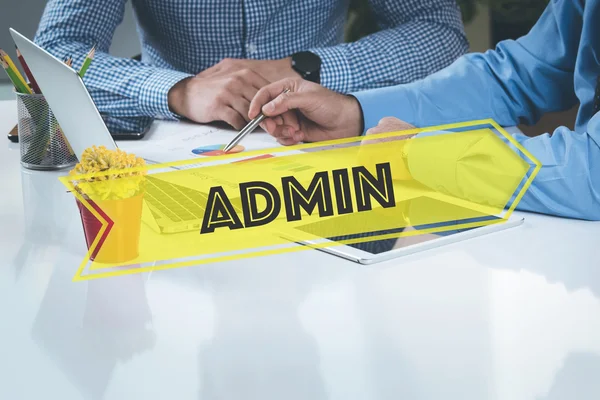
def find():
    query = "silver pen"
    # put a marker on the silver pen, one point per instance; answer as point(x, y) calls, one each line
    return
point(252, 125)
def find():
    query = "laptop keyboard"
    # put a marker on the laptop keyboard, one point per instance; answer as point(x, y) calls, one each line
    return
point(178, 203)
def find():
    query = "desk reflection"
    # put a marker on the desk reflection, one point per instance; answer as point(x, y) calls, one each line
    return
point(557, 259)
point(471, 327)
point(88, 328)
point(578, 378)
point(260, 348)
point(49, 212)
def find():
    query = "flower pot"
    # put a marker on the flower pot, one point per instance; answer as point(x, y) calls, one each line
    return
point(120, 241)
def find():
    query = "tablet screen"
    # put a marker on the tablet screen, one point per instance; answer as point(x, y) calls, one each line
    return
point(415, 207)
point(121, 127)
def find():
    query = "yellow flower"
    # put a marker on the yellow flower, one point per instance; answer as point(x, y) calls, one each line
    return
point(116, 183)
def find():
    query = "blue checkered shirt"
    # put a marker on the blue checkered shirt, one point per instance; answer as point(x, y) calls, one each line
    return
point(180, 38)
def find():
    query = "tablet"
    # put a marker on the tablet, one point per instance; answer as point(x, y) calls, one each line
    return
point(356, 247)
point(127, 128)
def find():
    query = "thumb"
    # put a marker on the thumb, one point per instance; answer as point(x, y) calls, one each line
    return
point(288, 101)
point(268, 93)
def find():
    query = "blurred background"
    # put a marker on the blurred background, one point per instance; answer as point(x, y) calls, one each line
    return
point(486, 22)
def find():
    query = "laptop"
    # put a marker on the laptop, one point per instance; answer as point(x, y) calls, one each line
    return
point(175, 207)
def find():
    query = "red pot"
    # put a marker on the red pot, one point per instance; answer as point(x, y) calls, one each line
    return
point(120, 241)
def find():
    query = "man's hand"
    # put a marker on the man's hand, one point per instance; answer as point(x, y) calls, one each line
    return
point(217, 97)
point(271, 70)
point(307, 113)
point(391, 152)
point(390, 124)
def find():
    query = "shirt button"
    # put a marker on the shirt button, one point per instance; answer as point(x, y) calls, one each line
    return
point(251, 48)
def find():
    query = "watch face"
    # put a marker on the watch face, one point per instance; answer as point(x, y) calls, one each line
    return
point(308, 65)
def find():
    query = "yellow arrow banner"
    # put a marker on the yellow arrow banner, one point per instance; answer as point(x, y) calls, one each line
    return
point(354, 190)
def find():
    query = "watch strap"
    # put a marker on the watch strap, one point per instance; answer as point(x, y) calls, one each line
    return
point(312, 74)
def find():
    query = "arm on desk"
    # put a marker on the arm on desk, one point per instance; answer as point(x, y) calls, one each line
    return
point(517, 82)
point(418, 37)
point(567, 185)
point(120, 87)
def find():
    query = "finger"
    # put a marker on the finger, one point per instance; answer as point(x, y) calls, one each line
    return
point(395, 124)
point(384, 128)
point(389, 120)
point(268, 93)
point(232, 117)
point(290, 119)
point(295, 138)
point(373, 131)
point(252, 82)
point(289, 101)
point(268, 125)
point(240, 105)
point(283, 132)
point(288, 134)
point(299, 136)
point(287, 141)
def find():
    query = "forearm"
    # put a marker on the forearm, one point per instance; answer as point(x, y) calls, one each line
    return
point(507, 85)
point(121, 87)
point(418, 39)
point(474, 168)
point(568, 183)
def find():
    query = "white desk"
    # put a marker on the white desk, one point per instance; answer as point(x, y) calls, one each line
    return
point(511, 316)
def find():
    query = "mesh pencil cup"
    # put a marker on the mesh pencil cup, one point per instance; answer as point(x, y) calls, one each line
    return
point(42, 142)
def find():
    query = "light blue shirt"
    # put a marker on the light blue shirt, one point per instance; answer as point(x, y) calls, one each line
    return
point(550, 69)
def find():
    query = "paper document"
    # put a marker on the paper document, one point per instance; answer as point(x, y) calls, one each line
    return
point(177, 141)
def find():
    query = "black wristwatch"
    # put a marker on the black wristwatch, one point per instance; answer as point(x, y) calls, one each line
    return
point(308, 65)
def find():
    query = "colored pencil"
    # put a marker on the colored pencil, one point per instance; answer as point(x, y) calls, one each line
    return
point(87, 61)
point(4, 65)
point(19, 86)
point(32, 81)
point(12, 67)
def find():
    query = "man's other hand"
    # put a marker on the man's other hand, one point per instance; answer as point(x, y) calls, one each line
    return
point(390, 124)
point(308, 113)
point(208, 98)
point(396, 148)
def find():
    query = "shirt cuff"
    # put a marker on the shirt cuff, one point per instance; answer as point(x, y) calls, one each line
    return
point(154, 99)
point(385, 102)
point(465, 168)
point(335, 72)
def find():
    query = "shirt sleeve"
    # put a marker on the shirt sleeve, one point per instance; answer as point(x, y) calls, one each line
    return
point(417, 38)
point(517, 82)
point(120, 87)
point(567, 185)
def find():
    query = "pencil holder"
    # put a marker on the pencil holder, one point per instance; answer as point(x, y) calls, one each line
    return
point(42, 142)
